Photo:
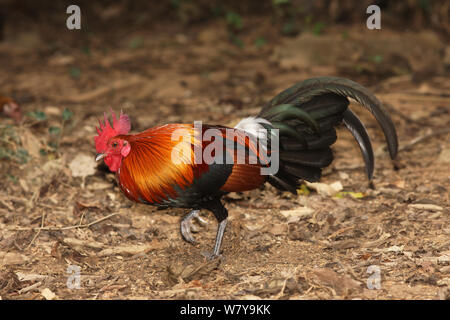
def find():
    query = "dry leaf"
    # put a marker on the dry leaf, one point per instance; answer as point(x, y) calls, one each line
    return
point(82, 166)
point(345, 244)
point(48, 294)
point(60, 60)
point(53, 166)
point(8, 281)
point(250, 297)
point(341, 284)
point(130, 250)
point(30, 142)
point(390, 249)
point(278, 229)
point(445, 258)
point(99, 186)
point(52, 111)
point(426, 206)
point(297, 214)
point(325, 189)
point(81, 206)
point(444, 156)
point(395, 249)
point(181, 272)
point(354, 195)
point(10, 258)
point(31, 276)
point(382, 239)
point(77, 243)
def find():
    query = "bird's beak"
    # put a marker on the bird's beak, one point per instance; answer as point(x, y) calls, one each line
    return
point(99, 156)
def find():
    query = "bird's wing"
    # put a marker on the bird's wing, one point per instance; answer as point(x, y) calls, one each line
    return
point(162, 167)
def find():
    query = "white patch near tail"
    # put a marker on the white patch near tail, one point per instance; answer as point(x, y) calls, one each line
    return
point(253, 126)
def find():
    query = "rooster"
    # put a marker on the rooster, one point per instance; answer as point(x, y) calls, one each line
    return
point(153, 167)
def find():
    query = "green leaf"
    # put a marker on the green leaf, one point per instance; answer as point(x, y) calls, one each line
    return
point(424, 5)
point(377, 58)
point(280, 2)
point(38, 115)
point(218, 10)
point(236, 41)
point(53, 145)
point(318, 28)
point(234, 20)
point(12, 178)
point(290, 28)
point(4, 153)
point(309, 18)
point(54, 130)
point(175, 3)
point(359, 68)
point(86, 50)
point(260, 42)
point(75, 73)
point(22, 155)
point(67, 114)
point(135, 43)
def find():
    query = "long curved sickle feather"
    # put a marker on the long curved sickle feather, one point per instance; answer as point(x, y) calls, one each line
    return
point(306, 90)
point(289, 111)
point(358, 130)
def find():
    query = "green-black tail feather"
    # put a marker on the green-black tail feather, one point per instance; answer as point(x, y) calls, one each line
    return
point(306, 115)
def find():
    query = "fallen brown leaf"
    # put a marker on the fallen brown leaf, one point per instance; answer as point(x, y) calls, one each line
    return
point(10, 258)
point(341, 284)
point(131, 249)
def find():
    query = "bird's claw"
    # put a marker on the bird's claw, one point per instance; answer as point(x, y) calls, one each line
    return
point(201, 221)
point(210, 256)
point(187, 226)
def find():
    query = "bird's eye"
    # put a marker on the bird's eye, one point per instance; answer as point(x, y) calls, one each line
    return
point(114, 144)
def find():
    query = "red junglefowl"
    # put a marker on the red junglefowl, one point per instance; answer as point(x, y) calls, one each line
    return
point(154, 167)
point(10, 108)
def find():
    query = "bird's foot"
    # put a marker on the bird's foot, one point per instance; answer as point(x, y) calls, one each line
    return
point(187, 226)
point(211, 256)
point(216, 253)
point(200, 220)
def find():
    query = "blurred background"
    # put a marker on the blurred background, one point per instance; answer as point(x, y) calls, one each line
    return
point(212, 59)
point(130, 39)
point(219, 61)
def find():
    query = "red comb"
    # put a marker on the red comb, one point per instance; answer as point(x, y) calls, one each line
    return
point(106, 131)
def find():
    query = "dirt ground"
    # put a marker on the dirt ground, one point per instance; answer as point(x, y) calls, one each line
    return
point(59, 216)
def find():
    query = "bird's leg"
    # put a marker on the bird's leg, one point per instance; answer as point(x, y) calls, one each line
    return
point(219, 236)
point(221, 214)
point(186, 225)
